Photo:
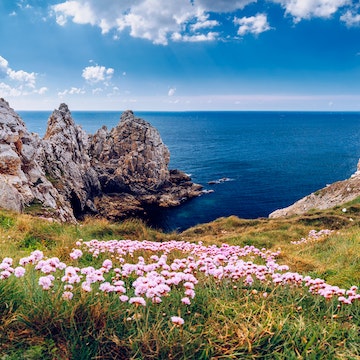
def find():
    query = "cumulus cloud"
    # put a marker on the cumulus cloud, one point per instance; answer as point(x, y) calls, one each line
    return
point(3, 64)
point(28, 79)
point(72, 91)
point(351, 18)
point(95, 74)
point(42, 90)
point(17, 82)
point(306, 9)
point(253, 24)
point(211, 36)
point(223, 5)
point(160, 21)
point(7, 90)
point(154, 20)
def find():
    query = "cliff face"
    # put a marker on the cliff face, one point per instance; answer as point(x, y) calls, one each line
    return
point(114, 173)
point(22, 177)
point(332, 195)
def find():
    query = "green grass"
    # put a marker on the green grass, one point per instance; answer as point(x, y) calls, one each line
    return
point(226, 320)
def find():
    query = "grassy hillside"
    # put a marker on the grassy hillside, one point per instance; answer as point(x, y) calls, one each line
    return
point(63, 296)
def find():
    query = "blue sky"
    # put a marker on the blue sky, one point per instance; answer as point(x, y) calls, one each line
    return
point(180, 54)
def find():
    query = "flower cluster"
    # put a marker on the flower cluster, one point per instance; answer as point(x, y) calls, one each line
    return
point(172, 265)
point(313, 236)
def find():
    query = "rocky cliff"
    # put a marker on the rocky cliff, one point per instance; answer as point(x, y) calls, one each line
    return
point(332, 195)
point(69, 173)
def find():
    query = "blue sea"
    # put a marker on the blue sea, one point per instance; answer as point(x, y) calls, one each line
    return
point(270, 159)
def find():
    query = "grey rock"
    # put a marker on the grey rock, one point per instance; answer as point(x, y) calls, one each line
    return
point(10, 198)
point(22, 177)
point(116, 173)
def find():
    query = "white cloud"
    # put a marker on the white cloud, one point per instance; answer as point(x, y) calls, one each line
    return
point(42, 90)
point(171, 91)
point(204, 25)
point(81, 12)
point(97, 91)
point(29, 79)
point(211, 36)
point(306, 9)
point(154, 20)
point(6, 90)
point(95, 74)
point(3, 64)
point(184, 20)
point(223, 5)
point(72, 91)
point(253, 24)
point(17, 82)
point(350, 18)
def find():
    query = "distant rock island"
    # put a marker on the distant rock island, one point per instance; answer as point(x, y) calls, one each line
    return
point(114, 173)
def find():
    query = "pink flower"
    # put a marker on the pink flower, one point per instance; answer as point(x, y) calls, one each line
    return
point(186, 301)
point(177, 320)
point(123, 298)
point(137, 300)
point(67, 295)
point(86, 286)
point(46, 282)
point(75, 254)
point(19, 271)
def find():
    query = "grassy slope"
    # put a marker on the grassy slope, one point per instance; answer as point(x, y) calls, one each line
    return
point(225, 321)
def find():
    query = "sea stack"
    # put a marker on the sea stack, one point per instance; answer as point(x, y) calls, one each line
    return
point(114, 173)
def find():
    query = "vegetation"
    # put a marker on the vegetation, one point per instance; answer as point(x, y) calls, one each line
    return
point(225, 315)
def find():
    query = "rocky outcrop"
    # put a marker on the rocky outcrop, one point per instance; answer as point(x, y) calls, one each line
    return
point(131, 157)
point(132, 165)
point(22, 178)
point(116, 173)
point(332, 195)
point(65, 158)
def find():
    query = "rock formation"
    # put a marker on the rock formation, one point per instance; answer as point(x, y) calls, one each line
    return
point(332, 195)
point(22, 178)
point(116, 173)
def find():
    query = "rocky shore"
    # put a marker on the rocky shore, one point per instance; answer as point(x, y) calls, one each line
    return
point(114, 173)
point(332, 195)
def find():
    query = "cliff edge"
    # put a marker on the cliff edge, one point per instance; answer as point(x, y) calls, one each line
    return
point(332, 195)
point(114, 173)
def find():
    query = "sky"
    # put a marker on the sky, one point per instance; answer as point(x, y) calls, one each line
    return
point(180, 55)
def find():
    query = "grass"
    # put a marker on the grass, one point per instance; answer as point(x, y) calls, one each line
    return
point(225, 320)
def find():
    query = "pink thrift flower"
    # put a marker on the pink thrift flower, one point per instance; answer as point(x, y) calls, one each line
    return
point(86, 286)
point(46, 282)
point(123, 298)
point(137, 300)
point(19, 271)
point(177, 320)
point(67, 295)
point(76, 254)
point(186, 301)
point(107, 264)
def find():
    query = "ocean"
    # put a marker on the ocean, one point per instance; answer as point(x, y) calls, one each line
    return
point(268, 159)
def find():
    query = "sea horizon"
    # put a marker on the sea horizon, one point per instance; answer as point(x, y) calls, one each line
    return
point(271, 158)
